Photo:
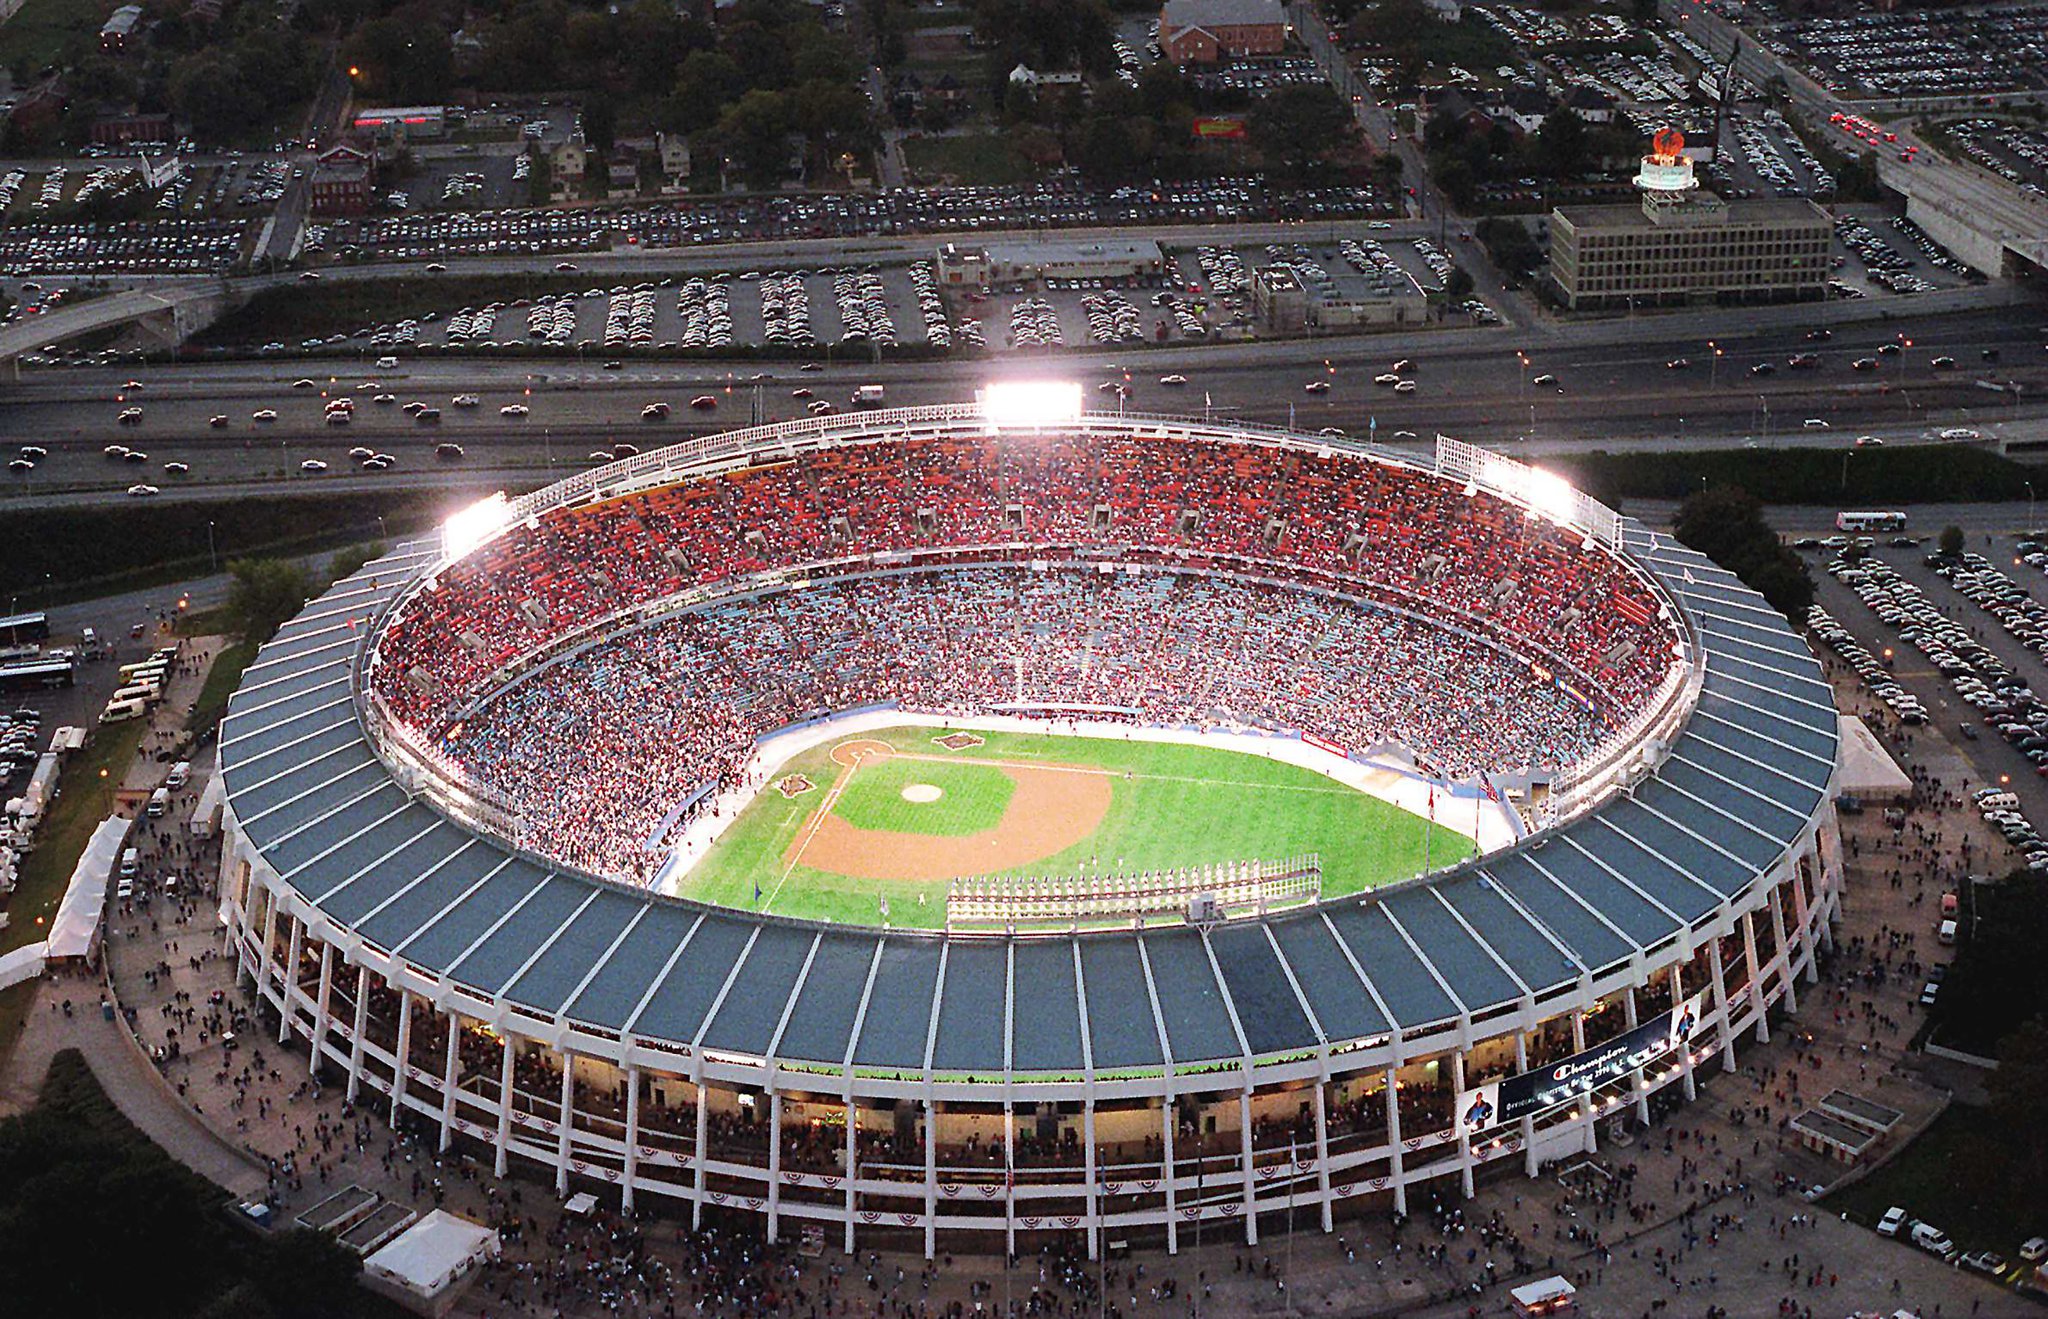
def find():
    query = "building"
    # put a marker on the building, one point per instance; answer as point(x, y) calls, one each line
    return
point(1026, 76)
point(1590, 104)
point(1205, 31)
point(1279, 302)
point(344, 181)
point(1682, 244)
point(622, 172)
point(1282, 304)
point(568, 161)
point(996, 1092)
point(674, 149)
point(1132, 261)
point(402, 124)
point(115, 130)
point(121, 27)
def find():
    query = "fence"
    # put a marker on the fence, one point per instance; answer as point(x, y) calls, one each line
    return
point(1205, 892)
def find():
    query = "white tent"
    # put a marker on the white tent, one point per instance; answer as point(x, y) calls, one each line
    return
point(433, 1255)
point(1545, 1296)
point(1863, 768)
point(206, 813)
point(76, 931)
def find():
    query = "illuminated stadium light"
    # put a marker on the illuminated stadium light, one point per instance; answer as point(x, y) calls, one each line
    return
point(1030, 404)
point(1550, 494)
point(471, 527)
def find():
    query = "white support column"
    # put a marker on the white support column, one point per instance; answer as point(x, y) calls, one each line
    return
point(703, 1147)
point(504, 1140)
point(1636, 1081)
point(1092, 1170)
point(1756, 978)
point(288, 989)
point(1692, 1091)
point(359, 1029)
point(568, 1115)
point(931, 1176)
point(1785, 950)
point(1464, 1135)
point(269, 959)
point(1396, 1165)
point(1530, 1164)
point(1166, 1126)
point(1251, 1193)
point(404, 1054)
point(852, 1160)
point(632, 1138)
point(1584, 1107)
point(1010, 1178)
point(451, 1068)
point(1322, 1115)
point(1802, 912)
point(321, 1011)
point(774, 1164)
point(1717, 976)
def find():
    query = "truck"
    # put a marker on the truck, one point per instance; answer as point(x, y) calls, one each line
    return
point(868, 396)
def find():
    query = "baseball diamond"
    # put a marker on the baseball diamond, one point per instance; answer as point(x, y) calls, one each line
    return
point(809, 674)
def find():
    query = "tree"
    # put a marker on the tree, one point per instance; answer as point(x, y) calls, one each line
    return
point(600, 123)
point(397, 60)
point(1562, 145)
point(706, 81)
point(263, 594)
point(1951, 540)
point(1297, 126)
point(2019, 1103)
point(207, 91)
point(754, 132)
point(1726, 524)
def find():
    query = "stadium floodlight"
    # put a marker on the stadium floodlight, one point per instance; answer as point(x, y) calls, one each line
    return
point(1030, 404)
point(471, 527)
point(1550, 494)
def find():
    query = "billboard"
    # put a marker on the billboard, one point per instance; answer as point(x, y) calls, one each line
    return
point(1229, 127)
point(1512, 1098)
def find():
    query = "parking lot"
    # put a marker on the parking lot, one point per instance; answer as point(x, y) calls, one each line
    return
point(1930, 52)
point(141, 247)
point(2017, 153)
point(1894, 255)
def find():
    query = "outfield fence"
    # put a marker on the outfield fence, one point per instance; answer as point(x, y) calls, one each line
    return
point(1218, 891)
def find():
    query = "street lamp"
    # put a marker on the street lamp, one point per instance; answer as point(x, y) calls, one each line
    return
point(1713, 364)
point(212, 557)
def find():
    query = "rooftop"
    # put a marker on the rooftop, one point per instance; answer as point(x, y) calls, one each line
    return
point(1221, 13)
point(1759, 210)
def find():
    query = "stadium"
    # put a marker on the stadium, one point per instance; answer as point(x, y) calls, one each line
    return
point(991, 820)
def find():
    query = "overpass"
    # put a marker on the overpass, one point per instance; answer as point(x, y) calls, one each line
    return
point(172, 311)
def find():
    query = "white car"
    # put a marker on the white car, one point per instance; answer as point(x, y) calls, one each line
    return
point(465, 400)
point(1173, 380)
point(386, 399)
point(141, 491)
point(218, 421)
point(264, 414)
point(513, 410)
point(1894, 1219)
point(1959, 433)
point(312, 467)
point(302, 383)
point(1814, 424)
point(339, 417)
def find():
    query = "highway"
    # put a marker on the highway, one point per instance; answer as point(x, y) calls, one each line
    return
point(1610, 392)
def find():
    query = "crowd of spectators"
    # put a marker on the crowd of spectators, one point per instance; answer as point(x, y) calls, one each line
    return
point(645, 721)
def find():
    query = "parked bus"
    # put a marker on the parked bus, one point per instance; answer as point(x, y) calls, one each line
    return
point(1870, 521)
point(37, 674)
point(17, 629)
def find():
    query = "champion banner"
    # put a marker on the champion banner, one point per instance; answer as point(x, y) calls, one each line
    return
point(1526, 1094)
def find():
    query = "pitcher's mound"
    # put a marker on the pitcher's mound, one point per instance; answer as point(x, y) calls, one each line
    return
point(923, 792)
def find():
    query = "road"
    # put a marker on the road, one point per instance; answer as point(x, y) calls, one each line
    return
point(1616, 391)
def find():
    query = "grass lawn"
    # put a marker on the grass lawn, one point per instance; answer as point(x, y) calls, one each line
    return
point(221, 681)
point(46, 31)
point(1948, 1177)
point(970, 160)
point(1171, 805)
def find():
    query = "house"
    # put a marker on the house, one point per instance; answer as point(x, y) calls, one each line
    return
point(675, 160)
point(1205, 31)
point(1026, 76)
point(1448, 11)
point(121, 27)
point(1523, 109)
point(947, 93)
point(344, 180)
point(1454, 105)
point(568, 161)
point(1590, 104)
point(622, 172)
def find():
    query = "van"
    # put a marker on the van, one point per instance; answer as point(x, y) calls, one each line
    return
point(1946, 933)
point(118, 711)
point(1932, 1240)
point(131, 861)
point(387, 364)
point(159, 802)
point(180, 773)
point(140, 692)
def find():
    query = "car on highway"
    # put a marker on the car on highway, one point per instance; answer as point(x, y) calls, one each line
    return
point(624, 450)
point(1317, 386)
point(130, 417)
point(219, 421)
point(1864, 364)
point(654, 412)
point(414, 408)
point(514, 410)
point(1678, 364)
point(115, 451)
point(1173, 380)
point(135, 456)
point(141, 491)
point(820, 407)
point(428, 416)
point(1545, 379)
point(566, 267)
point(448, 451)
point(387, 363)
point(380, 462)
point(361, 454)
point(703, 403)
point(264, 414)
point(1869, 442)
point(465, 400)
point(1814, 424)
point(386, 399)
point(340, 417)
point(801, 391)
point(1764, 369)
point(819, 366)
point(303, 383)
point(21, 465)
point(1943, 364)
point(34, 452)
point(1404, 387)
point(312, 466)
point(177, 469)
point(1959, 433)
point(1386, 378)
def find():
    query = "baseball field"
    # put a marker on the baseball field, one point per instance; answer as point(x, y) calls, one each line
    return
point(871, 828)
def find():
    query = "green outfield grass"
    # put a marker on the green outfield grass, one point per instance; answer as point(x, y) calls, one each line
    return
point(1171, 805)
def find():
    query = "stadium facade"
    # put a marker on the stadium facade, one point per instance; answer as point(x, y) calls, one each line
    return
point(979, 1091)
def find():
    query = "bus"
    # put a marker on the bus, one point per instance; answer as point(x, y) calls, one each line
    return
point(1870, 521)
point(37, 674)
point(18, 629)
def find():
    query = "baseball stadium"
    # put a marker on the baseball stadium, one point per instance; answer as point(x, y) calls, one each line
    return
point(1001, 819)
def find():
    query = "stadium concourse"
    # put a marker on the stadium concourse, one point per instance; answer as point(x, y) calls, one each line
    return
point(398, 906)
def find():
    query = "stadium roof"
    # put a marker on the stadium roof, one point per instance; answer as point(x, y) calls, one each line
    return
point(1741, 783)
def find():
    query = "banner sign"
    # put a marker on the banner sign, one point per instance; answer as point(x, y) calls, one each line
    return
point(1526, 1094)
point(1228, 127)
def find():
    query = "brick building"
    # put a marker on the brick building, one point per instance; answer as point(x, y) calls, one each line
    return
point(1205, 31)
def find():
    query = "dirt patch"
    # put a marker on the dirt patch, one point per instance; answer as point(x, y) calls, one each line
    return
point(959, 741)
point(792, 786)
point(853, 751)
point(1051, 810)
